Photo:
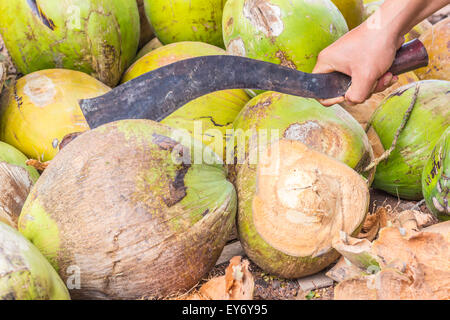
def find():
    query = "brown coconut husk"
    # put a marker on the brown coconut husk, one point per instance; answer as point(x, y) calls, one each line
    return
point(236, 284)
point(15, 184)
point(405, 262)
point(436, 40)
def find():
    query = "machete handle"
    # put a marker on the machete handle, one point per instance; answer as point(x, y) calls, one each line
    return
point(411, 56)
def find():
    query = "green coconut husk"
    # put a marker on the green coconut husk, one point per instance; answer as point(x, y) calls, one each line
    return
point(290, 33)
point(135, 208)
point(24, 272)
point(401, 173)
point(94, 36)
point(436, 179)
point(180, 20)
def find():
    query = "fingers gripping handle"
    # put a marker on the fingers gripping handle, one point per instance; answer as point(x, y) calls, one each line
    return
point(411, 56)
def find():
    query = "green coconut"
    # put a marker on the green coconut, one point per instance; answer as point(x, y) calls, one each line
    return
point(136, 207)
point(401, 174)
point(352, 10)
point(207, 118)
point(97, 37)
point(16, 180)
point(293, 204)
point(183, 20)
point(436, 178)
point(290, 33)
point(24, 272)
point(302, 191)
point(271, 116)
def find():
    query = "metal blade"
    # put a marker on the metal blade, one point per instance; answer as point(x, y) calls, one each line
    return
point(157, 94)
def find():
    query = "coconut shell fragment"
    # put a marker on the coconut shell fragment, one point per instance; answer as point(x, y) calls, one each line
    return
point(236, 284)
point(130, 205)
point(293, 204)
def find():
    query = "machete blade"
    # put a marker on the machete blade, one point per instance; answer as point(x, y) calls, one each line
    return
point(157, 94)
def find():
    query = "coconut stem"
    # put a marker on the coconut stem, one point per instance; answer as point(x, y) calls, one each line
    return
point(406, 117)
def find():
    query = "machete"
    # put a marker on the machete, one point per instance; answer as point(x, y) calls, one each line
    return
point(157, 94)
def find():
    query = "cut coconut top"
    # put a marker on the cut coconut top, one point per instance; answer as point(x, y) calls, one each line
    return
point(304, 199)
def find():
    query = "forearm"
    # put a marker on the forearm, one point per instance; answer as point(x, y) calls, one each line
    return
point(398, 17)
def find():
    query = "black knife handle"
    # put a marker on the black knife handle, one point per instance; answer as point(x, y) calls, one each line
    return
point(411, 56)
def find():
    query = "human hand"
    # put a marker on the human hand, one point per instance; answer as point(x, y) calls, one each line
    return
point(366, 55)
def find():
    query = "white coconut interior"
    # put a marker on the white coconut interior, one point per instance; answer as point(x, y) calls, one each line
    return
point(305, 198)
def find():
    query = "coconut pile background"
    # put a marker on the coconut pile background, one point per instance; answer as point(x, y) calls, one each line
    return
point(111, 211)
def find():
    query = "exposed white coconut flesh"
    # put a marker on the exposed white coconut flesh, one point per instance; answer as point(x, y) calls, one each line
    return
point(304, 199)
point(15, 184)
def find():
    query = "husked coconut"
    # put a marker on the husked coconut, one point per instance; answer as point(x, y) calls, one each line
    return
point(293, 203)
point(133, 208)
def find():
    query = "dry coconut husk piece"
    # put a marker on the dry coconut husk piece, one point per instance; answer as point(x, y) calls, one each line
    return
point(15, 184)
point(403, 263)
point(384, 216)
point(236, 284)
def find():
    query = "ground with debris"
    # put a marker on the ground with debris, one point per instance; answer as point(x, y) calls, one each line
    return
point(316, 287)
